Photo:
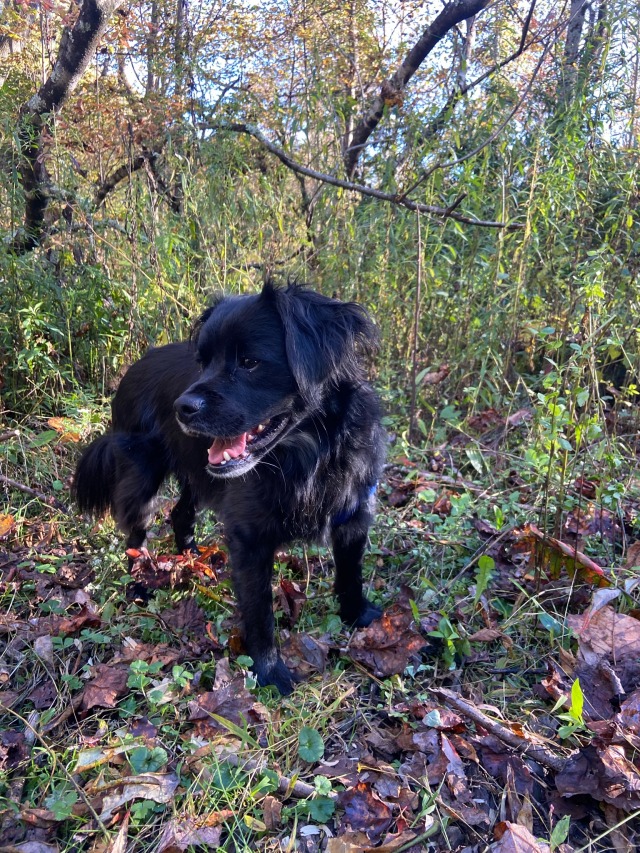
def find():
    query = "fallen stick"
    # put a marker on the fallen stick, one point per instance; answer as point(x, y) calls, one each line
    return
point(537, 752)
point(47, 499)
point(298, 789)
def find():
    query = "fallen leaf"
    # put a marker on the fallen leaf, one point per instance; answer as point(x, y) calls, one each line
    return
point(347, 842)
point(593, 520)
point(514, 838)
point(604, 774)
point(632, 558)
point(435, 377)
point(303, 654)
point(108, 684)
point(7, 523)
point(387, 645)
point(183, 832)
point(394, 841)
point(482, 421)
point(500, 762)
point(13, 750)
point(485, 635)
point(43, 647)
point(290, 600)
point(613, 636)
point(44, 695)
point(364, 811)
point(229, 699)
point(120, 841)
point(629, 716)
point(186, 617)
point(272, 813)
point(158, 787)
point(86, 618)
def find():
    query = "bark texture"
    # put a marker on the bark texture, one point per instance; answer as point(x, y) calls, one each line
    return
point(77, 48)
point(392, 90)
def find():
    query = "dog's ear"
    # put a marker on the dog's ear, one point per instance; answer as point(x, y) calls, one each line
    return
point(326, 340)
point(202, 319)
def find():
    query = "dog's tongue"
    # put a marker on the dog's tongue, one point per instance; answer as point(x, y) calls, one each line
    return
point(233, 446)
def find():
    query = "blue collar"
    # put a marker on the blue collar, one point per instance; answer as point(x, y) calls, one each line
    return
point(348, 512)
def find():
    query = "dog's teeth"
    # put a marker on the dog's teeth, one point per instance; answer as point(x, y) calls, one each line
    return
point(261, 428)
point(226, 456)
point(250, 437)
point(223, 462)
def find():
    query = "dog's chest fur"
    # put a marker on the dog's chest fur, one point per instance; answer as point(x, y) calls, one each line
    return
point(316, 477)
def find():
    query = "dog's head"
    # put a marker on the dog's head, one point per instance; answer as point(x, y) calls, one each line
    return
point(268, 360)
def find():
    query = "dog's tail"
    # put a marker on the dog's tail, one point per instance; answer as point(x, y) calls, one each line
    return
point(96, 476)
point(119, 472)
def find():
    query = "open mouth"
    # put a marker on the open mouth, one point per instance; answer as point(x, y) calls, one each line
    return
point(229, 453)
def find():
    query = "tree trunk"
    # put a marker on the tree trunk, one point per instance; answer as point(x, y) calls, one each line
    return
point(77, 48)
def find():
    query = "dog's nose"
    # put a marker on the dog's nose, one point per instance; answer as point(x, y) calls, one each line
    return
point(187, 406)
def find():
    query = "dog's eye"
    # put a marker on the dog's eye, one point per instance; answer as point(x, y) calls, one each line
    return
point(248, 363)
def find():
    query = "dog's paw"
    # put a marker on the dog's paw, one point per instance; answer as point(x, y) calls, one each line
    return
point(367, 614)
point(278, 675)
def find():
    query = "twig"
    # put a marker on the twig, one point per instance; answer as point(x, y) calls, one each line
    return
point(298, 789)
point(537, 752)
point(5, 436)
point(47, 499)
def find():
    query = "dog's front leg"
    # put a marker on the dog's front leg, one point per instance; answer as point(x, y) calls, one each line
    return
point(349, 542)
point(183, 521)
point(252, 570)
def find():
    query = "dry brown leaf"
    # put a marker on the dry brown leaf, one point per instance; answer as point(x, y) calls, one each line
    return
point(608, 633)
point(387, 645)
point(108, 684)
point(517, 839)
point(485, 635)
point(7, 523)
point(120, 841)
point(183, 832)
point(394, 841)
point(229, 699)
point(604, 774)
point(272, 813)
point(364, 811)
point(629, 715)
point(348, 842)
point(290, 599)
point(612, 636)
point(303, 654)
point(86, 618)
point(158, 787)
point(632, 558)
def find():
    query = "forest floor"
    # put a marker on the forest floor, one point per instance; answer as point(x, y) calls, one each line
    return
point(495, 706)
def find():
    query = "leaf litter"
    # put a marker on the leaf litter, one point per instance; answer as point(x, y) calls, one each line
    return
point(404, 757)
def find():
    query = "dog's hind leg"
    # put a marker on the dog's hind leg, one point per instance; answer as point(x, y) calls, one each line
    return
point(183, 520)
point(134, 494)
point(349, 541)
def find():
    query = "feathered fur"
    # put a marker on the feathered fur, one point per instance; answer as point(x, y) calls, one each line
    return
point(276, 382)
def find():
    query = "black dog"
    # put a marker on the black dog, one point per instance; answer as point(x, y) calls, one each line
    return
point(266, 417)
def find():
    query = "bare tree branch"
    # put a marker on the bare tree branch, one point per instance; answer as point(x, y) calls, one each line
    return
point(77, 47)
point(401, 200)
point(459, 92)
point(391, 91)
